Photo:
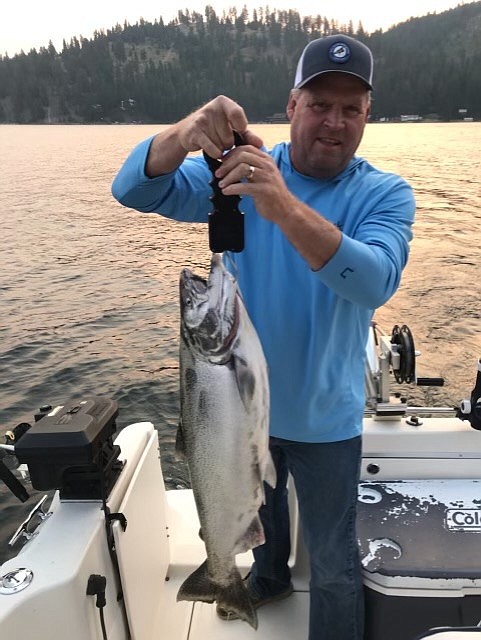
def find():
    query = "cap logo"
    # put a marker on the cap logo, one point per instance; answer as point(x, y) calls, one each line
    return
point(339, 52)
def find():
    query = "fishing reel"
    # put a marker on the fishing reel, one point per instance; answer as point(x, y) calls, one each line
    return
point(403, 354)
point(392, 355)
point(470, 408)
point(396, 355)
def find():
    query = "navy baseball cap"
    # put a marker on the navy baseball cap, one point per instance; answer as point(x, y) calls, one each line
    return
point(338, 53)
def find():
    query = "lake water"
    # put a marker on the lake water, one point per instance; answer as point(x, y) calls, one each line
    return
point(89, 289)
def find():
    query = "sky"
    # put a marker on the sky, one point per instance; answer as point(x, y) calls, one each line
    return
point(27, 24)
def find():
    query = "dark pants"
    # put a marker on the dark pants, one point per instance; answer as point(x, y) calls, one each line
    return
point(326, 477)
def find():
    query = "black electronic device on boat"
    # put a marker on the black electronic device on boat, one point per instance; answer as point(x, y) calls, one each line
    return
point(71, 449)
point(226, 222)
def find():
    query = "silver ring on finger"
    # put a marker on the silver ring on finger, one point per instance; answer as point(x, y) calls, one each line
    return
point(250, 173)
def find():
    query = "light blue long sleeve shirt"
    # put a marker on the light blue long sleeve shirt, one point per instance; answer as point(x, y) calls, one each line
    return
point(313, 325)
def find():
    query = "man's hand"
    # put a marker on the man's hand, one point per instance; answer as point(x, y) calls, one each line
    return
point(209, 128)
point(247, 170)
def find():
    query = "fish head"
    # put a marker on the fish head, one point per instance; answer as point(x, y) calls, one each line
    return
point(209, 310)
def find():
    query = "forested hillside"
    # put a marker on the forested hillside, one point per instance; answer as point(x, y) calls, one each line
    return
point(156, 72)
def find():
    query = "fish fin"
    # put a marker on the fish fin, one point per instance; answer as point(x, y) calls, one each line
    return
point(253, 537)
point(270, 473)
point(180, 443)
point(198, 586)
point(235, 598)
point(245, 379)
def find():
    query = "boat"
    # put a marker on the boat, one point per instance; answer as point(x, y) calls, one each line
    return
point(105, 559)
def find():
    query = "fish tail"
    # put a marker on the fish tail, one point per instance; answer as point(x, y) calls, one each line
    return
point(233, 597)
point(198, 586)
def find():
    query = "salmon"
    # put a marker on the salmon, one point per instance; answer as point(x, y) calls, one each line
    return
point(223, 432)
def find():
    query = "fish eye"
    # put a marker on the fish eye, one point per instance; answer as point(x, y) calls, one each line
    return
point(188, 301)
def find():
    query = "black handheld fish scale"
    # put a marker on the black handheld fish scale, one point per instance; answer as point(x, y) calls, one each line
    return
point(226, 222)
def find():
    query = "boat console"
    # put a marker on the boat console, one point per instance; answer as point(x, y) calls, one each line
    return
point(106, 558)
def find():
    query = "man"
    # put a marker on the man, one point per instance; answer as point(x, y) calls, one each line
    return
point(326, 239)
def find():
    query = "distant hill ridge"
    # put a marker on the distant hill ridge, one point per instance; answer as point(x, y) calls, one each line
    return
point(426, 67)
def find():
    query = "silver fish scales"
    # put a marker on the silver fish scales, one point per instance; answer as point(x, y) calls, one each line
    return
point(223, 432)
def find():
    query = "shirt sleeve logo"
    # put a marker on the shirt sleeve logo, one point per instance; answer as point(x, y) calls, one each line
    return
point(347, 272)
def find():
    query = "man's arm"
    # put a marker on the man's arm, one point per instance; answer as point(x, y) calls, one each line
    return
point(146, 179)
point(365, 269)
point(314, 237)
point(166, 153)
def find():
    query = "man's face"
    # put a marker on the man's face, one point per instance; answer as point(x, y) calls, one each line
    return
point(327, 118)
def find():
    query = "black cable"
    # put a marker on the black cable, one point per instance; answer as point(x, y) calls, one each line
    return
point(96, 586)
point(102, 624)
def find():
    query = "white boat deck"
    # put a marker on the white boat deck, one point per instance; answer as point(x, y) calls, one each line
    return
point(284, 620)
